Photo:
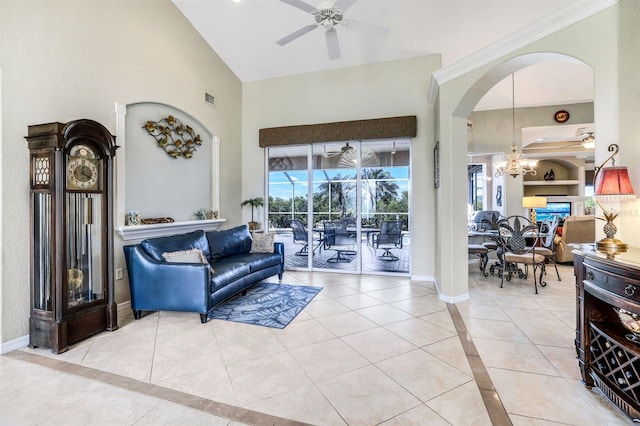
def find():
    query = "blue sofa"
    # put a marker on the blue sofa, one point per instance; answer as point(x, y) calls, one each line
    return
point(160, 281)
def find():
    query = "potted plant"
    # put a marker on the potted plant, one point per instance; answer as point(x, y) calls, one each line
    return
point(253, 202)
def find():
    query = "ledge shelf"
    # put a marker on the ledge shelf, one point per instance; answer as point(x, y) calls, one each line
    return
point(550, 182)
point(137, 232)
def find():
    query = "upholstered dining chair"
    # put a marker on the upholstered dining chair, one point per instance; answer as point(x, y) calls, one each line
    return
point(547, 247)
point(514, 232)
point(389, 237)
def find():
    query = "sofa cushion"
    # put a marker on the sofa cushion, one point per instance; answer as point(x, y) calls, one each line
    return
point(228, 242)
point(193, 240)
point(228, 271)
point(258, 261)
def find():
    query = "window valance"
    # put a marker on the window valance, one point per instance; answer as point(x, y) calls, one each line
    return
point(377, 128)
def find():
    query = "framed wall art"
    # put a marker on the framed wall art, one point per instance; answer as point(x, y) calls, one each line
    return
point(436, 165)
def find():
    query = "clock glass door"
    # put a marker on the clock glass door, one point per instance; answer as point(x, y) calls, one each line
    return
point(84, 245)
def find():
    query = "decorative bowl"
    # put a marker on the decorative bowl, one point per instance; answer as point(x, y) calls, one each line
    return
point(631, 322)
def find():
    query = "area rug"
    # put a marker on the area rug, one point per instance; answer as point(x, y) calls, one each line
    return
point(266, 304)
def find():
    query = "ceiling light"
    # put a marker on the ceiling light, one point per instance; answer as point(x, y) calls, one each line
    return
point(516, 164)
point(237, 1)
point(589, 142)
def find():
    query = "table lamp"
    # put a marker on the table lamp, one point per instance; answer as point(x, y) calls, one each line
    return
point(533, 203)
point(611, 184)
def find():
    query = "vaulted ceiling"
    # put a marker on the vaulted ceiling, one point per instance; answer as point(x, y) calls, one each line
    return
point(244, 34)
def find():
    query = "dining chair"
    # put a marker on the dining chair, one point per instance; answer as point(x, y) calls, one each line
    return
point(514, 232)
point(547, 247)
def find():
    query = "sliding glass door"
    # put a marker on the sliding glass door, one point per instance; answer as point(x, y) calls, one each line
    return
point(342, 206)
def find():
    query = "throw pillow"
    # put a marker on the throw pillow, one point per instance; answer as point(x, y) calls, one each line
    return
point(263, 243)
point(186, 256)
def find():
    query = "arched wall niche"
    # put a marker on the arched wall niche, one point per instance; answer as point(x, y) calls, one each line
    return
point(152, 182)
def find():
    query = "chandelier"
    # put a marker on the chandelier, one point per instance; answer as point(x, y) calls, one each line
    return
point(516, 164)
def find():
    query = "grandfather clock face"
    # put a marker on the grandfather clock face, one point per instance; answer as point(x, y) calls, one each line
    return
point(84, 225)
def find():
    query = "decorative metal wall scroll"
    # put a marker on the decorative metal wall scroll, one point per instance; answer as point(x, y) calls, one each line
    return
point(175, 138)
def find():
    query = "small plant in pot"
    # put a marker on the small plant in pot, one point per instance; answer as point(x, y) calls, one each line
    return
point(253, 202)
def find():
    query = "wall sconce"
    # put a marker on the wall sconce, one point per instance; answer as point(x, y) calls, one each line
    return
point(611, 184)
point(533, 203)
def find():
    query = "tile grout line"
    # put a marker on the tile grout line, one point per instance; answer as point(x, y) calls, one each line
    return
point(208, 406)
point(497, 413)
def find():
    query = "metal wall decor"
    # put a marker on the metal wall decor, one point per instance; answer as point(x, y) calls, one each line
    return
point(436, 165)
point(177, 139)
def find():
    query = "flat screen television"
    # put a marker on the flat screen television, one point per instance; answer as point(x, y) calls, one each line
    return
point(560, 209)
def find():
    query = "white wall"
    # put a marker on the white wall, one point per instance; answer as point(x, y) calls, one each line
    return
point(387, 89)
point(601, 50)
point(68, 59)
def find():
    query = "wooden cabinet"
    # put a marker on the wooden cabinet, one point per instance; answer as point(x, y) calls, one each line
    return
point(608, 353)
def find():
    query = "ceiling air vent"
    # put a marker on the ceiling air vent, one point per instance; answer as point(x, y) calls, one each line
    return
point(209, 99)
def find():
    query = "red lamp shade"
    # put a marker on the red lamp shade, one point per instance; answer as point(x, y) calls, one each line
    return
point(614, 185)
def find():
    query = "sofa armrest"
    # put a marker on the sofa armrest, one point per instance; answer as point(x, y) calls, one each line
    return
point(157, 285)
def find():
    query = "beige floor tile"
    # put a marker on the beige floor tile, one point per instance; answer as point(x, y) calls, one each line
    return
point(367, 396)
point(422, 374)
point(306, 404)
point(384, 314)
point(514, 356)
point(420, 332)
point(419, 416)
point(450, 351)
point(255, 342)
point(378, 344)
point(420, 306)
point(461, 406)
point(542, 397)
point(323, 308)
point(358, 301)
point(123, 364)
point(265, 377)
point(305, 333)
point(563, 359)
point(470, 309)
point(389, 295)
point(498, 330)
point(340, 290)
point(346, 323)
point(558, 334)
point(166, 413)
point(213, 384)
point(336, 358)
point(442, 319)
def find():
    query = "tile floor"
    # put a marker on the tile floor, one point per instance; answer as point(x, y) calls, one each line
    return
point(367, 350)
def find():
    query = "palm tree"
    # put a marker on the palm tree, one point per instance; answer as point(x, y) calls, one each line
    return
point(339, 187)
point(376, 183)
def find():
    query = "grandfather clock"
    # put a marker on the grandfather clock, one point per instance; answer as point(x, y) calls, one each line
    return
point(71, 173)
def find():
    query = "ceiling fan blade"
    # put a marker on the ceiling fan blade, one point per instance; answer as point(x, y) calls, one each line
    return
point(300, 5)
point(367, 28)
point(343, 5)
point(332, 43)
point(294, 35)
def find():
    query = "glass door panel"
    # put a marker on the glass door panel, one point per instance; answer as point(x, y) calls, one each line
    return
point(385, 177)
point(335, 210)
point(288, 193)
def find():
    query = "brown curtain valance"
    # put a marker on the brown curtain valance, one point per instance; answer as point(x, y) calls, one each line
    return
point(377, 128)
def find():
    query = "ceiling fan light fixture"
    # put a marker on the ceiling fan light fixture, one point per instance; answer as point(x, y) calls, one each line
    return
point(589, 142)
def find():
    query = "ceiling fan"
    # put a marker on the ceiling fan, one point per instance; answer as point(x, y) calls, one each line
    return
point(583, 139)
point(329, 15)
point(329, 154)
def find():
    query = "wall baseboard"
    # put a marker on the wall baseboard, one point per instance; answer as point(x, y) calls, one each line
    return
point(23, 341)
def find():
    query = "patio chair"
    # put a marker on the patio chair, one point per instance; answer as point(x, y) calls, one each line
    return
point(389, 237)
point(300, 236)
point(513, 234)
point(335, 238)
